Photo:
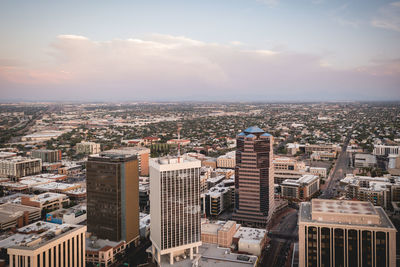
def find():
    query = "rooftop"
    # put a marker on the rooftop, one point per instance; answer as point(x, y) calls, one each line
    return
point(253, 129)
point(42, 198)
point(250, 234)
point(129, 151)
point(95, 244)
point(10, 211)
point(344, 212)
point(36, 235)
point(19, 159)
point(210, 255)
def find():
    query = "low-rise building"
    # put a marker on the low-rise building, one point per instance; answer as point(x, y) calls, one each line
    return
point(227, 161)
point(6, 155)
point(364, 160)
point(103, 252)
point(293, 148)
point(220, 232)
point(323, 155)
point(41, 136)
point(216, 200)
point(321, 172)
point(15, 215)
point(46, 244)
point(288, 168)
point(310, 148)
point(301, 189)
point(73, 215)
point(380, 191)
point(182, 142)
point(144, 225)
point(250, 240)
point(47, 201)
point(385, 150)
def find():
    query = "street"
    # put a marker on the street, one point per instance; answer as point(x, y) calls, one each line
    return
point(339, 170)
point(282, 236)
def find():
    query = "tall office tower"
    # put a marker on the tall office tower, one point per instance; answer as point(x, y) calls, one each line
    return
point(113, 196)
point(174, 207)
point(142, 153)
point(254, 177)
point(345, 233)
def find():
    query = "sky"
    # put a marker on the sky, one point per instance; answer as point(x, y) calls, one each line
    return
point(218, 50)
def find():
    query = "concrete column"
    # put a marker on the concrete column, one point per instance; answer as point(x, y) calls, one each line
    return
point(56, 250)
point(33, 261)
point(197, 250)
point(171, 258)
point(75, 250)
point(11, 261)
point(70, 253)
point(46, 257)
point(153, 251)
point(158, 257)
point(191, 253)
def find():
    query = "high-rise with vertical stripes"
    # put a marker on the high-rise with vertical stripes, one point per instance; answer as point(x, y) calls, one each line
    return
point(254, 177)
point(174, 207)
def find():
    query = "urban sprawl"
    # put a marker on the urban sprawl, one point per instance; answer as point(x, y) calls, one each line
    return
point(199, 184)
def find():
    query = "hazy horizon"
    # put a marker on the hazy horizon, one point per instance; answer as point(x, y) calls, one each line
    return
point(237, 50)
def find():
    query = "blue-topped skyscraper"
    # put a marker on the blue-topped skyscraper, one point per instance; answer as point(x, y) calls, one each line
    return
point(254, 177)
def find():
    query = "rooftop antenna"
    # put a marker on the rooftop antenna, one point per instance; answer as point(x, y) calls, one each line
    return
point(179, 141)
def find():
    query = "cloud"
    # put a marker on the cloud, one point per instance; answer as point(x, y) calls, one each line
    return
point(166, 67)
point(388, 17)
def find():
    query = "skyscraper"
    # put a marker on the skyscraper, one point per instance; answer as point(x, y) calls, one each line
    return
point(174, 207)
point(254, 177)
point(113, 195)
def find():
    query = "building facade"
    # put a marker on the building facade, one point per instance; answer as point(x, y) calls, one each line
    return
point(142, 154)
point(174, 207)
point(17, 167)
point(385, 150)
point(113, 196)
point(380, 191)
point(345, 233)
point(227, 161)
point(87, 148)
point(15, 215)
point(288, 168)
point(47, 155)
point(49, 245)
point(254, 177)
point(301, 189)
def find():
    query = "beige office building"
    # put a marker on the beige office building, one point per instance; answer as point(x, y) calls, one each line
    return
point(17, 167)
point(175, 227)
point(87, 148)
point(227, 161)
point(47, 244)
point(288, 168)
point(301, 189)
point(345, 233)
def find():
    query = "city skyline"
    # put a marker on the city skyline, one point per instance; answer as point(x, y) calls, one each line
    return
point(179, 51)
